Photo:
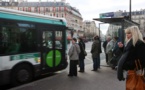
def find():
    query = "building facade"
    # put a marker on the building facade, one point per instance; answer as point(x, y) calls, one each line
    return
point(90, 29)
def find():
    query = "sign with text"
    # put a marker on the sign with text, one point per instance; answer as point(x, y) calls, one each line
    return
point(109, 14)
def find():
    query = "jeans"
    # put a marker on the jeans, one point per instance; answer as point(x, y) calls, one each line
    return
point(81, 64)
point(96, 63)
point(99, 61)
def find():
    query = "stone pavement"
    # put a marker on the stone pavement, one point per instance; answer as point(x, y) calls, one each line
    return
point(103, 79)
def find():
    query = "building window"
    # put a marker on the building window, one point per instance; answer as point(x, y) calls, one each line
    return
point(36, 9)
point(51, 9)
point(54, 9)
point(47, 10)
point(6, 4)
point(56, 15)
point(62, 8)
point(57, 9)
point(29, 9)
point(26, 9)
point(13, 4)
point(21, 9)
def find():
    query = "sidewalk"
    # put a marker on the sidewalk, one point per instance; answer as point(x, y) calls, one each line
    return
point(103, 79)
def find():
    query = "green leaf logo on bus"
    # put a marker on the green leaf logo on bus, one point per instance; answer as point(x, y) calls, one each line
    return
point(49, 58)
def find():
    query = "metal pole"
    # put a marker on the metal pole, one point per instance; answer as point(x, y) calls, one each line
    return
point(130, 10)
point(99, 29)
point(122, 32)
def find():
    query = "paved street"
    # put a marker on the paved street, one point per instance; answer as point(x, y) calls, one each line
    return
point(103, 79)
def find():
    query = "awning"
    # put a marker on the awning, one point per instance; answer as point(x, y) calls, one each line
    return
point(109, 20)
point(116, 21)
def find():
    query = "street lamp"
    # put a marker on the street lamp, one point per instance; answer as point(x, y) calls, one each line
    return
point(129, 9)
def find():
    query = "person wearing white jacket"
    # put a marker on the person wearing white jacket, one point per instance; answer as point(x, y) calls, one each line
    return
point(74, 57)
point(109, 48)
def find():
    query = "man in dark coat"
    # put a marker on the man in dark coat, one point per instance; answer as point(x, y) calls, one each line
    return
point(100, 50)
point(95, 50)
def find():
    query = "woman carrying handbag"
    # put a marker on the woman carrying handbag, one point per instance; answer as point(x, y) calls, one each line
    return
point(133, 49)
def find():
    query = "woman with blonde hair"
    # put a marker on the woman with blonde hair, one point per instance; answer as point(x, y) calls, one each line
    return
point(133, 49)
point(135, 34)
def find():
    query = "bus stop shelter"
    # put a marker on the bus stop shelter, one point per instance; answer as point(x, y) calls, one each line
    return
point(122, 22)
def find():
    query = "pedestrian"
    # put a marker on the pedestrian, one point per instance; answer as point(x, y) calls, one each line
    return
point(100, 51)
point(95, 51)
point(81, 55)
point(116, 53)
point(109, 48)
point(133, 49)
point(74, 57)
point(104, 46)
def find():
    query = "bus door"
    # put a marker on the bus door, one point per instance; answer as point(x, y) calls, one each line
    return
point(52, 52)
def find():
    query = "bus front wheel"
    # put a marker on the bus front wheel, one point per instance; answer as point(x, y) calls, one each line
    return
point(21, 74)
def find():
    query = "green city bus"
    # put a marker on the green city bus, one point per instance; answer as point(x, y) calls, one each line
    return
point(30, 45)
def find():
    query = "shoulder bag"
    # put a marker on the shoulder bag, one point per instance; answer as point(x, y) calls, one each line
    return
point(85, 53)
point(135, 78)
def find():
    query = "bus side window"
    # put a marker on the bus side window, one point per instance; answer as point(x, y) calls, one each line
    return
point(14, 41)
point(28, 40)
point(13, 48)
point(3, 40)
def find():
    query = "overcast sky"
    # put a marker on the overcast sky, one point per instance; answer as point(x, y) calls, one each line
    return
point(90, 9)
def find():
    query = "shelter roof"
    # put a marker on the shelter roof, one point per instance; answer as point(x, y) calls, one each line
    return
point(117, 20)
point(109, 20)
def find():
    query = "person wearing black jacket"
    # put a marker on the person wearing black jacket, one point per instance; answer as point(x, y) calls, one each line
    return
point(95, 51)
point(134, 49)
point(81, 55)
point(100, 50)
